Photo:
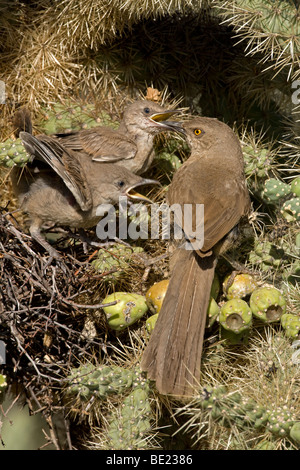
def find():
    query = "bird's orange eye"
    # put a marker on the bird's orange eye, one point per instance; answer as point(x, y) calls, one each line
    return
point(197, 131)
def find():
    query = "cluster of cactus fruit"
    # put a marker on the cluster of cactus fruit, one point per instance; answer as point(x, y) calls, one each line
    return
point(266, 304)
point(131, 421)
point(233, 407)
point(245, 301)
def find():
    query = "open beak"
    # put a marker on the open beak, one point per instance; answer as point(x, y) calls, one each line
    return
point(133, 194)
point(160, 119)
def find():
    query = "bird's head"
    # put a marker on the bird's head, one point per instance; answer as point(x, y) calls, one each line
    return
point(203, 132)
point(150, 117)
point(124, 183)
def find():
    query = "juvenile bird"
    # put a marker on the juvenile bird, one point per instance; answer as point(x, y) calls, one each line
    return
point(131, 145)
point(66, 188)
point(213, 175)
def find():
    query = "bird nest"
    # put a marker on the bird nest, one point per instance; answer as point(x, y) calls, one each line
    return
point(51, 318)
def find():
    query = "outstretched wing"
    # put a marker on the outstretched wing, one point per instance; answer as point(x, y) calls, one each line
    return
point(63, 162)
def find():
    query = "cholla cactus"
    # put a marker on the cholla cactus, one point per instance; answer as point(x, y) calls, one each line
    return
point(269, 29)
point(131, 424)
point(295, 186)
point(100, 381)
point(13, 153)
point(233, 408)
point(115, 261)
point(64, 117)
point(275, 190)
point(266, 255)
point(291, 210)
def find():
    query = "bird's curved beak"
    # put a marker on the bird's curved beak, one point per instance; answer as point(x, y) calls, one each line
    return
point(161, 120)
point(133, 194)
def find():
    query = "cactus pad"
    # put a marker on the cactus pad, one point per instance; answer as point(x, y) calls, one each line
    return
point(127, 429)
point(100, 381)
point(295, 186)
point(275, 189)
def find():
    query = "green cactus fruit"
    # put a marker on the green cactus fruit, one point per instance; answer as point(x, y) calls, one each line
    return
point(114, 261)
point(295, 186)
point(151, 322)
point(101, 381)
point(212, 312)
point(291, 325)
point(275, 189)
point(267, 304)
point(215, 288)
point(128, 309)
point(235, 316)
point(291, 209)
point(295, 433)
point(156, 294)
point(71, 116)
point(239, 287)
point(13, 153)
point(3, 386)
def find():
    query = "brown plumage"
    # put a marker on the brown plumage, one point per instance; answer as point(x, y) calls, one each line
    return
point(131, 145)
point(66, 188)
point(214, 176)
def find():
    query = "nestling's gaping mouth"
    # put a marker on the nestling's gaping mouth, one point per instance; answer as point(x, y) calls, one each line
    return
point(132, 194)
point(160, 120)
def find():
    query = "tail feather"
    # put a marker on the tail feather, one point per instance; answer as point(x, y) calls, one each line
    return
point(173, 355)
point(22, 121)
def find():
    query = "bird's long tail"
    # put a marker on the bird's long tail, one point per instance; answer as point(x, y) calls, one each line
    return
point(22, 121)
point(173, 355)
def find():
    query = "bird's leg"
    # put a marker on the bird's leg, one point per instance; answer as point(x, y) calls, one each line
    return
point(35, 232)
